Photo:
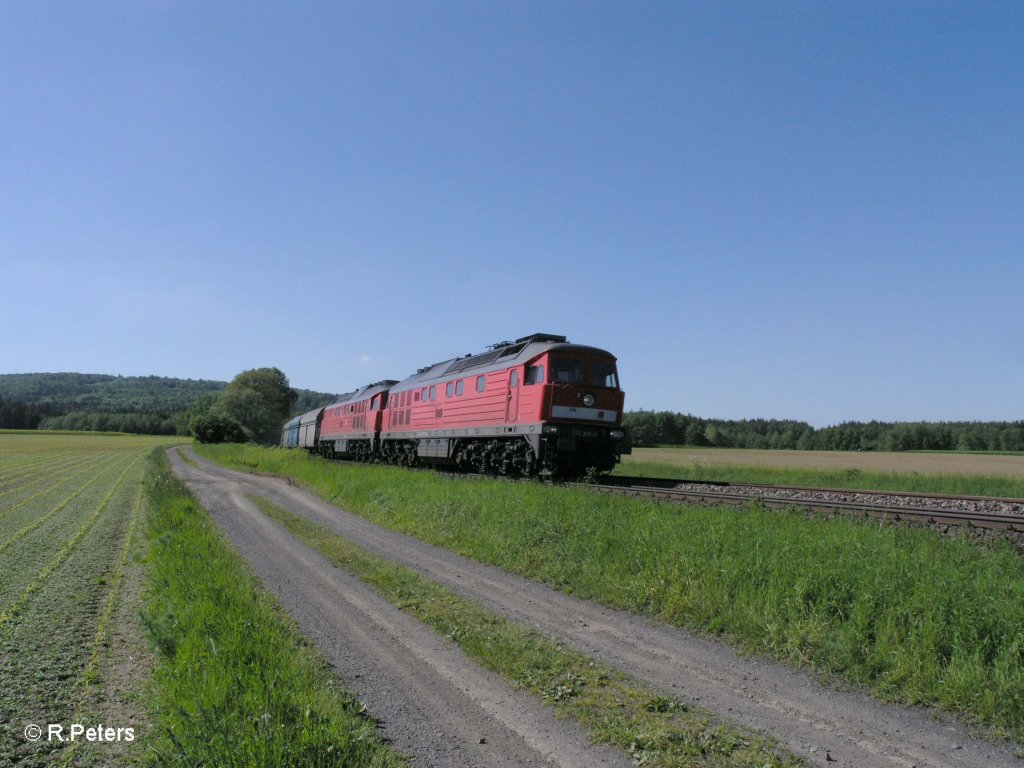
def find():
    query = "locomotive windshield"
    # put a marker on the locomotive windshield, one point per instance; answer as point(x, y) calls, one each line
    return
point(566, 371)
point(596, 373)
point(602, 374)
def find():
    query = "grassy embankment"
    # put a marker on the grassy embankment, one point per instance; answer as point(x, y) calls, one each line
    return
point(701, 465)
point(235, 683)
point(655, 730)
point(917, 617)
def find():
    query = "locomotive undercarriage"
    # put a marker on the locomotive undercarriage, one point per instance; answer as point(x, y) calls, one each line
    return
point(549, 455)
point(506, 456)
point(355, 450)
point(572, 457)
point(401, 452)
point(511, 457)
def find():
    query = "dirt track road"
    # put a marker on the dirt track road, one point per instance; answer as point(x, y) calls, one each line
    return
point(422, 687)
point(434, 703)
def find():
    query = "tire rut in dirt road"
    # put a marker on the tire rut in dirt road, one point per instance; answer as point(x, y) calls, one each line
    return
point(433, 702)
point(821, 724)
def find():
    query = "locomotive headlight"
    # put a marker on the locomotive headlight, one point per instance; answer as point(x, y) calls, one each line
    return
point(588, 399)
point(617, 434)
point(550, 429)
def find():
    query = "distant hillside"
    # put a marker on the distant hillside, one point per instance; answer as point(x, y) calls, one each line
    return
point(103, 393)
point(666, 428)
point(96, 401)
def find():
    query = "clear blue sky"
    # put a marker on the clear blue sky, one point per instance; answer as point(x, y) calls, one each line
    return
point(803, 210)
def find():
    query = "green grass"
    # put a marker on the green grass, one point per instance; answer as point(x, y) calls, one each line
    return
point(67, 432)
point(918, 617)
point(911, 482)
point(616, 709)
point(187, 458)
point(235, 683)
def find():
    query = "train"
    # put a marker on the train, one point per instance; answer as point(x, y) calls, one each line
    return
point(536, 406)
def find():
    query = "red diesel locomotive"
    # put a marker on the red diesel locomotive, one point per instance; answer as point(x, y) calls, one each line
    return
point(539, 405)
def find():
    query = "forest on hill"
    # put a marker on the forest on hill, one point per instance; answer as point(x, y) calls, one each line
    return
point(667, 428)
point(156, 405)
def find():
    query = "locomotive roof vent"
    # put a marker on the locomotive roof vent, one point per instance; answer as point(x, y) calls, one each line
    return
point(542, 337)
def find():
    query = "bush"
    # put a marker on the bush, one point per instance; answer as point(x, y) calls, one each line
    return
point(217, 428)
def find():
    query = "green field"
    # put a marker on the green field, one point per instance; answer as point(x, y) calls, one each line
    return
point(946, 473)
point(69, 508)
point(918, 617)
point(121, 605)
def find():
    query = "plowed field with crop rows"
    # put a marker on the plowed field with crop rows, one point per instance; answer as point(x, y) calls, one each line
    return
point(69, 508)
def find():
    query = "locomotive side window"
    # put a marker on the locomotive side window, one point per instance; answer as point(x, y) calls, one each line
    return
point(566, 371)
point(449, 391)
point(433, 393)
point(458, 388)
point(535, 374)
point(481, 383)
point(602, 374)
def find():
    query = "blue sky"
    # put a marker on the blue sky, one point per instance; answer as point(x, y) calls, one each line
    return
point(768, 209)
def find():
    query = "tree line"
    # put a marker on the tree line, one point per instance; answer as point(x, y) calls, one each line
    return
point(255, 403)
point(649, 428)
point(15, 414)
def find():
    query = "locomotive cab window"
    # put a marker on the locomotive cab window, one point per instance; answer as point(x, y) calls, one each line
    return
point(535, 374)
point(602, 374)
point(566, 371)
point(513, 379)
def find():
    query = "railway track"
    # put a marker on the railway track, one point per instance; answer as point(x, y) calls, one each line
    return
point(1001, 514)
point(989, 513)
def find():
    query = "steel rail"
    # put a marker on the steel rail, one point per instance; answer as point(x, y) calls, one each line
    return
point(670, 482)
point(1008, 522)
